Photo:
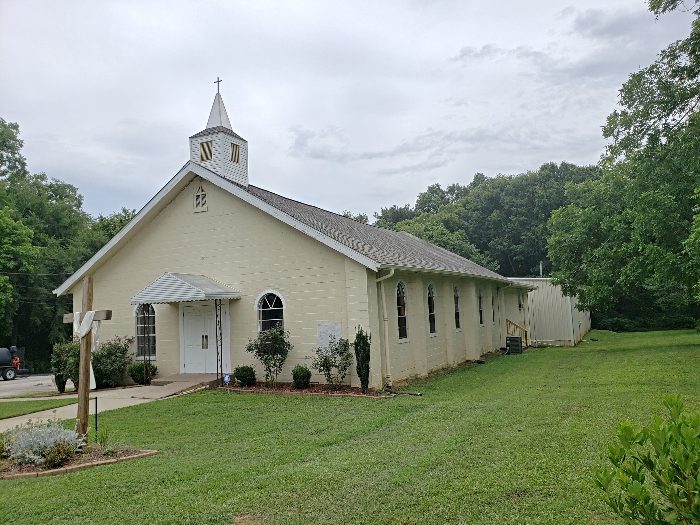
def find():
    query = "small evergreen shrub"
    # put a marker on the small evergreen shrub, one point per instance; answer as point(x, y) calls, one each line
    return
point(142, 372)
point(271, 348)
point(362, 344)
point(65, 364)
point(58, 454)
point(110, 362)
point(31, 443)
point(654, 476)
point(301, 376)
point(245, 375)
point(333, 360)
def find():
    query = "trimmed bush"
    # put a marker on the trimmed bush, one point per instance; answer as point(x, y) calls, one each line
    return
point(142, 372)
point(110, 362)
point(245, 375)
point(654, 475)
point(32, 442)
point(301, 376)
point(362, 346)
point(333, 360)
point(271, 348)
point(65, 363)
point(58, 454)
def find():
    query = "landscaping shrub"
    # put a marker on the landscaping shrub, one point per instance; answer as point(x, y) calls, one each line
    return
point(654, 475)
point(110, 362)
point(245, 375)
point(362, 344)
point(301, 376)
point(59, 454)
point(333, 360)
point(142, 372)
point(65, 363)
point(271, 347)
point(32, 442)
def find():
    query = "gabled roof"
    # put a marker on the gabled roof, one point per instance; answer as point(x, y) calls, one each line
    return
point(388, 248)
point(370, 246)
point(182, 287)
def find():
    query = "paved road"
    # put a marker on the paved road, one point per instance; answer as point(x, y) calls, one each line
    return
point(106, 400)
point(25, 385)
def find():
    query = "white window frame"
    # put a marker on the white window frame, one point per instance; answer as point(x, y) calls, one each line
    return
point(154, 355)
point(256, 306)
point(432, 294)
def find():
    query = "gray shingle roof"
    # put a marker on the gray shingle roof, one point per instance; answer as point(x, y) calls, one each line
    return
point(386, 247)
point(218, 129)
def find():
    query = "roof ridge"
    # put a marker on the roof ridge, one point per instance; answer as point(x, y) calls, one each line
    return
point(321, 209)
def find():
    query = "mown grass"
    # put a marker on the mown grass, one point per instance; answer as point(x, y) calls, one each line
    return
point(20, 408)
point(514, 441)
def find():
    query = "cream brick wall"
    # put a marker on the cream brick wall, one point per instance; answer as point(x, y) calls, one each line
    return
point(423, 352)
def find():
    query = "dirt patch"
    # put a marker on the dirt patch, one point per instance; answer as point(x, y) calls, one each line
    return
point(88, 457)
point(316, 389)
point(247, 519)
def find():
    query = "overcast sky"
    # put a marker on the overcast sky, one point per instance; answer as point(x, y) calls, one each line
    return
point(345, 105)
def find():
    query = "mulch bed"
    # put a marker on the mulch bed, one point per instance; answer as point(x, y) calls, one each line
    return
point(88, 457)
point(313, 390)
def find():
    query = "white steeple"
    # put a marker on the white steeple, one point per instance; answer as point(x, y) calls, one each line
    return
point(220, 149)
point(218, 115)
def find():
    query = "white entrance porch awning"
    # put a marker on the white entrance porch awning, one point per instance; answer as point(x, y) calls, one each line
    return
point(183, 287)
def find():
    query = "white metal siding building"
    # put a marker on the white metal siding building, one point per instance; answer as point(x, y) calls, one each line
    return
point(553, 318)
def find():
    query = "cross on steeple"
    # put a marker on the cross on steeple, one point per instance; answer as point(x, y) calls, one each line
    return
point(217, 82)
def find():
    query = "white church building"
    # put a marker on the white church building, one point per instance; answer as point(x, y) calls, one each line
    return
point(211, 260)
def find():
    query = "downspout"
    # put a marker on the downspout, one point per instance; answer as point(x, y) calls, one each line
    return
point(385, 318)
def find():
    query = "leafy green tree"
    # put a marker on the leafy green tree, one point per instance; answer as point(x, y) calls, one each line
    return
point(389, 217)
point(17, 255)
point(498, 222)
point(360, 217)
point(627, 245)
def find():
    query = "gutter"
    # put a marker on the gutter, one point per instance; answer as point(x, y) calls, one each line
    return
point(385, 319)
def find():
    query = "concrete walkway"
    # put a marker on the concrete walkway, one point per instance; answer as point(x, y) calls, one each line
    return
point(108, 400)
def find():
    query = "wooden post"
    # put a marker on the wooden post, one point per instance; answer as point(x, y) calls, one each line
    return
point(85, 357)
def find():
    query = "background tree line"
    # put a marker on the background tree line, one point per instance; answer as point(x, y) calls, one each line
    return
point(44, 237)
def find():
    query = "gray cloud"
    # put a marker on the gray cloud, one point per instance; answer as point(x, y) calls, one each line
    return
point(346, 106)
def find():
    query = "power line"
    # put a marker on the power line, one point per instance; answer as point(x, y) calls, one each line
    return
point(37, 274)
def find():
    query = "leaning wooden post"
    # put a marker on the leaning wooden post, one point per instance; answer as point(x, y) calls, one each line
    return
point(85, 358)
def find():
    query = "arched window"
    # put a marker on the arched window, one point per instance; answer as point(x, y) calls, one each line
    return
point(270, 312)
point(431, 308)
point(481, 309)
point(401, 310)
point(457, 319)
point(145, 331)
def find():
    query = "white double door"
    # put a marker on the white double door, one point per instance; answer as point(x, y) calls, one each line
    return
point(199, 339)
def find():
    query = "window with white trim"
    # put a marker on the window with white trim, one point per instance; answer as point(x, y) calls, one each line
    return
point(401, 310)
point(481, 309)
point(458, 323)
point(431, 309)
point(270, 312)
point(493, 309)
point(145, 331)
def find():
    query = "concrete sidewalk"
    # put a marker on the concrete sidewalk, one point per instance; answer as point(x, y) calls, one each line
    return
point(106, 400)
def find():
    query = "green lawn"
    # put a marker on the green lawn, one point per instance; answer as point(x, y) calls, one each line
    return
point(19, 408)
point(514, 441)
